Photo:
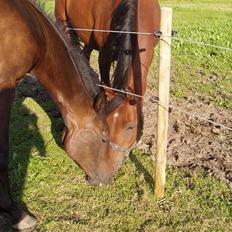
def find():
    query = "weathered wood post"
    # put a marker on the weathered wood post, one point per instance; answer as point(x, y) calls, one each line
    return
point(163, 107)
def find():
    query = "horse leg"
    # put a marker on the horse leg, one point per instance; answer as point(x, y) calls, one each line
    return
point(104, 67)
point(87, 51)
point(6, 98)
point(21, 219)
point(61, 19)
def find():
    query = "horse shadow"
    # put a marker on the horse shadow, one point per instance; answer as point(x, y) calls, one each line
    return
point(25, 138)
point(24, 135)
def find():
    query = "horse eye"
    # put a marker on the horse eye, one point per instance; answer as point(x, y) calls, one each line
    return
point(130, 126)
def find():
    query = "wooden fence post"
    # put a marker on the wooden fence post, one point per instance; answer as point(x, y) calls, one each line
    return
point(163, 108)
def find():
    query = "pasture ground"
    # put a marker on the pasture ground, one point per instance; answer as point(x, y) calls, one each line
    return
point(197, 198)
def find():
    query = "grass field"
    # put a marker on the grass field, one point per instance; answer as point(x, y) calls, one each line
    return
point(53, 187)
point(202, 70)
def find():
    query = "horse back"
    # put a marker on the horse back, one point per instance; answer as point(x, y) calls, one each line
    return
point(19, 41)
point(90, 14)
point(148, 15)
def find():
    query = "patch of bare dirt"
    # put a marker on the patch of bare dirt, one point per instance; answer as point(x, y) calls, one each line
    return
point(191, 141)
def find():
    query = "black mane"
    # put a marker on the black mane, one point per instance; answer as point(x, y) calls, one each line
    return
point(122, 46)
point(88, 76)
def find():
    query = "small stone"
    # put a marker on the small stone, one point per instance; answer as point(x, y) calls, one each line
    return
point(176, 126)
point(215, 131)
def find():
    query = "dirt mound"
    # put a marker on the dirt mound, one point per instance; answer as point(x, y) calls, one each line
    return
point(193, 142)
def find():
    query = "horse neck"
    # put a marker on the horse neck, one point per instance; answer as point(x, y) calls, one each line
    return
point(59, 75)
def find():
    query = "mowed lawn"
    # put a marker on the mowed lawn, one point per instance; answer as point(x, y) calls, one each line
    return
point(54, 188)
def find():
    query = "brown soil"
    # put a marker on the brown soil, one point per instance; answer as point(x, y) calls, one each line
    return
point(192, 142)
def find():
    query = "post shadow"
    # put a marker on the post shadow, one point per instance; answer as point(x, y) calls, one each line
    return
point(147, 176)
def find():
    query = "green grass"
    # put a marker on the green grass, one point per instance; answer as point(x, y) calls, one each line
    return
point(49, 5)
point(54, 189)
point(202, 70)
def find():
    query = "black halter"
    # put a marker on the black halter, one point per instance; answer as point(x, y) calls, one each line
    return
point(113, 104)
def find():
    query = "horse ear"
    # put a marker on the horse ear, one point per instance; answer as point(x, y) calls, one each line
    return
point(99, 103)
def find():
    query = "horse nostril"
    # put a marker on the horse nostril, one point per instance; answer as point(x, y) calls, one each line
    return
point(96, 181)
point(88, 178)
point(110, 179)
point(105, 140)
point(92, 181)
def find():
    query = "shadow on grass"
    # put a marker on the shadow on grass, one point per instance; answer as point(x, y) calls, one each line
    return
point(25, 137)
point(147, 176)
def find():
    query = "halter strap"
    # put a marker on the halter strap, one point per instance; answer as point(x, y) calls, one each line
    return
point(113, 104)
point(118, 148)
point(122, 149)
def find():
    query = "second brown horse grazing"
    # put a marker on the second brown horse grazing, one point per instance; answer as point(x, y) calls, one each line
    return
point(30, 43)
point(133, 55)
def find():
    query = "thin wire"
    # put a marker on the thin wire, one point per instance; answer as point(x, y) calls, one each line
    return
point(156, 34)
point(154, 100)
point(120, 91)
point(160, 35)
point(110, 31)
point(197, 43)
point(201, 118)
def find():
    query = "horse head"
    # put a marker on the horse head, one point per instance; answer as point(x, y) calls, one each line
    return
point(125, 118)
point(88, 144)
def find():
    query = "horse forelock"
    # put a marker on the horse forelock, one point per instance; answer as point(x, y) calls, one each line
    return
point(124, 18)
point(88, 76)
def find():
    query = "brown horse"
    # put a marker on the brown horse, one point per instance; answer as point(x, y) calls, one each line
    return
point(133, 54)
point(30, 43)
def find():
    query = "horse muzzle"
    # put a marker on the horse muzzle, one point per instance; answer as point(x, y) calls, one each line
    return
point(97, 181)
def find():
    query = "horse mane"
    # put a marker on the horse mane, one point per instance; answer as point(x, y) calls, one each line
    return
point(88, 76)
point(122, 46)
